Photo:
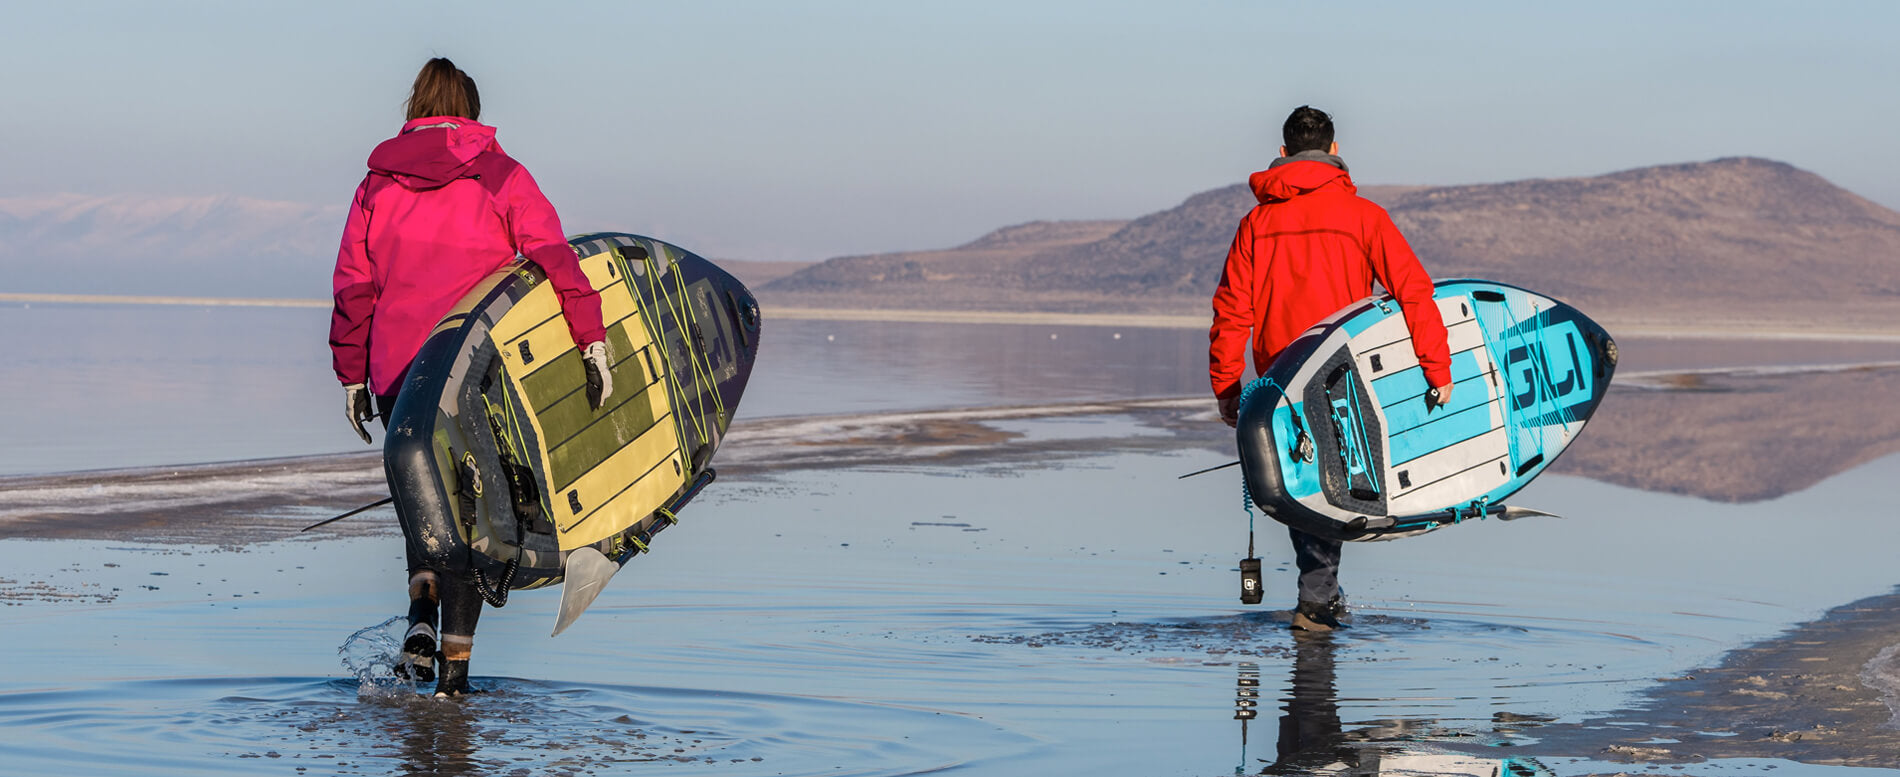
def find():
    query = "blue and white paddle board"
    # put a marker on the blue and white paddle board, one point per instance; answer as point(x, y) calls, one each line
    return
point(1339, 439)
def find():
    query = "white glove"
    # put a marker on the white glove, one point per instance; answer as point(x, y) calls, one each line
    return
point(600, 379)
point(356, 406)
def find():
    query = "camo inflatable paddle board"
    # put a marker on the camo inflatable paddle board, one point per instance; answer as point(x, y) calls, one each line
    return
point(497, 460)
point(1339, 439)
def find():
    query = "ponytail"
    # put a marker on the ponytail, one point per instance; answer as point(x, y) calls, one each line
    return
point(443, 90)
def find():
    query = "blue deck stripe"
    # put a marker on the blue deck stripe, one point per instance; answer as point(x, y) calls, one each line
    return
point(1443, 432)
point(1409, 383)
point(1468, 395)
point(1364, 319)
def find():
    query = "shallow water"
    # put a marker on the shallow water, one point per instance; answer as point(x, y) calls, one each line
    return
point(1006, 620)
point(124, 386)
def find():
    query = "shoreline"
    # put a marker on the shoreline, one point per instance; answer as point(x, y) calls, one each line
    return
point(1700, 433)
point(1625, 328)
point(262, 500)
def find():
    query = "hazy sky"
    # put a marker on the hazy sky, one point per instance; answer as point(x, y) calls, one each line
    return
point(803, 130)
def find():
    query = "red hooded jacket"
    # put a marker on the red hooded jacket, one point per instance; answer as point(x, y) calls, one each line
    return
point(442, 208)
point(1311, 247)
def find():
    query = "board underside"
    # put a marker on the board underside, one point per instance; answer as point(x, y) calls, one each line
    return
point(522, 466)
point(1340, 428)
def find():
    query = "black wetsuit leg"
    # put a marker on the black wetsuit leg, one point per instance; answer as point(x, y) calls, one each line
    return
point(422, 609)
point(461, 608)
point(386, 405)
point(459, 602)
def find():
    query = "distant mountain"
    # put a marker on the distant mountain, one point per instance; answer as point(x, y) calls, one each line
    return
point(205, 246)
point(984, 274)
point(1732, 240)
point(1166, 254)
point(754, 273)
point(991, 259)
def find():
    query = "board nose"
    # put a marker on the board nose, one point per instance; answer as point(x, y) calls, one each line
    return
point(746, 316)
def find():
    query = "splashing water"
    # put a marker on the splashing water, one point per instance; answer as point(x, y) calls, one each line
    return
point(371, 654)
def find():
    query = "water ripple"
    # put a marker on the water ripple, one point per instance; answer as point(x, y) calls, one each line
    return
point(513, 727)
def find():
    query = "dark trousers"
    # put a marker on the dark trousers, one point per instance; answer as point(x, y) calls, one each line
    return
point(460, 602)
point(1318, 559)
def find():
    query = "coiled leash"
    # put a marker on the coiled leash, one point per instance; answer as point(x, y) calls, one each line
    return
point(1250, 575)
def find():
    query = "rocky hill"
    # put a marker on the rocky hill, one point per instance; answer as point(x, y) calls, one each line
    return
point(1732, 240)
point(985, 274)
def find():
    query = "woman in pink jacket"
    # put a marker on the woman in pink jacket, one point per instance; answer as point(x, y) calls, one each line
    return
point(441, 208)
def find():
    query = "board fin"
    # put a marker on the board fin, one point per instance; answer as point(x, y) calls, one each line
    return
point(1514, 513)
point(1414, 522)
point(587, 573)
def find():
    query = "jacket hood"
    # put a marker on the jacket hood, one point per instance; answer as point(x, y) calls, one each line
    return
point(432, 151)
point(1302, 173)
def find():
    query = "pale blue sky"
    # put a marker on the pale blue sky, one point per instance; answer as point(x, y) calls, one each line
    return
point(790, 130)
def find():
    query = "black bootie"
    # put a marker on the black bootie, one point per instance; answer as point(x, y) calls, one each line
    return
point(454, 680)
point(418, 645)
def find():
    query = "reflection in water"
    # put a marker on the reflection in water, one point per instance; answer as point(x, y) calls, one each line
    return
point(1311, 735)
point(1247, 696)
point(435, 739)
point(1313, 740)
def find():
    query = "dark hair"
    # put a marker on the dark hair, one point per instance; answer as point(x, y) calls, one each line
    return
point(443, 90)
point(1308, 129)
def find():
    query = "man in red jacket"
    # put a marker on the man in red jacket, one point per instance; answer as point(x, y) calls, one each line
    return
point(1311, 247)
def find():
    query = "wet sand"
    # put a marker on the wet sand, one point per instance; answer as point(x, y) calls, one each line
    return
point(225, 504)
point(1799, 696)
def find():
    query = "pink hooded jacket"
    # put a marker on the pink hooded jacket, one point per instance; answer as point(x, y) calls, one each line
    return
point(442, 208)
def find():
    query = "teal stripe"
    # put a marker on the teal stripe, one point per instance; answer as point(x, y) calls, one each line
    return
point(1403, 396)
point(1300, 478)
point(1364, 320)
point(1444, 431)
point(1409, 383)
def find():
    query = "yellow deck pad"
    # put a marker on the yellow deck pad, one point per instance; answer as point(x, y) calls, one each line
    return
point(623, 489)
point(642, 475)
